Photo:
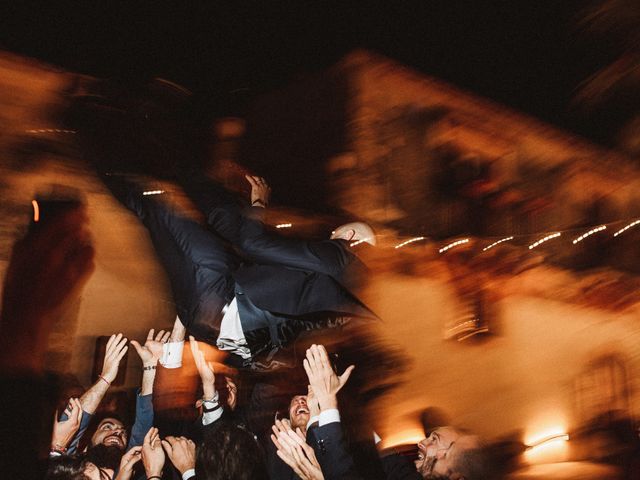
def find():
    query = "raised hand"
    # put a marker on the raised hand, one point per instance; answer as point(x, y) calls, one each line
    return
point(323, 380)
point(295, 452)
point(152, 453)
point(205, 369)
point(181, 451)
point(312, 403)
point(151, 351)
point(127, 463)
point(115, 350)
point(64, 430)
point(260, 191)
point(232, 398)
point(278, 428)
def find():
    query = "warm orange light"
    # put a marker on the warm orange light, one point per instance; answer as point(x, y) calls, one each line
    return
point(36, 211)
point(403, 437)
point(560, 437)
point(544, 433)
point(547, 445)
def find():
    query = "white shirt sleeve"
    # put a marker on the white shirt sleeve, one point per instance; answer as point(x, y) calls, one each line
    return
point(329, 416)
point(210, 417)
point(172, 354)
point(312, 420)
point(189, 474)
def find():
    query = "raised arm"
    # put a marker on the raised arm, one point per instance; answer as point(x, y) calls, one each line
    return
point(260, 191)
point(334, 458)
point(295, 452)
point(211, 408)
point(149, 353)
point(324, 382)
point(65, 430)
point(153, 456)
point(115, 350)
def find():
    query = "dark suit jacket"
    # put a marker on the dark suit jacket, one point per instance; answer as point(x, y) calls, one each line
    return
point(322, 276)
point(337, 462)
point(299, 286)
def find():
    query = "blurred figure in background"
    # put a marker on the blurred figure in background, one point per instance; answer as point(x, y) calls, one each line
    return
point(47, 271)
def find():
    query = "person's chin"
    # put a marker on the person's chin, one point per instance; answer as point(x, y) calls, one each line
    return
point(299, 421)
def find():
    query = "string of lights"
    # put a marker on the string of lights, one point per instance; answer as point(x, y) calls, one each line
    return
point(50, 130)
point(589, 233)
point(407, 242)
point(506, 239)
point(453, 244)
point(542, 237)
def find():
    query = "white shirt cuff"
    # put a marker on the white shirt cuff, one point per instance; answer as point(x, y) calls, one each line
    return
point(189, 474)
point(312, 420)
point(376, 438)
point(172, 355)
point(329, 416)
point(210, 417)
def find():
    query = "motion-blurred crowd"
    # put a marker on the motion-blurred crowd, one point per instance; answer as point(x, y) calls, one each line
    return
point(231, 438)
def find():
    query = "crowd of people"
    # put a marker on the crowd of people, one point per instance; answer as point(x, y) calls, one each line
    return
point(239, 289)
point(307, 443)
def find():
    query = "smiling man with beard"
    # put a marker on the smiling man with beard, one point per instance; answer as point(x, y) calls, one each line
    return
point(111, 432)
point(448, 453)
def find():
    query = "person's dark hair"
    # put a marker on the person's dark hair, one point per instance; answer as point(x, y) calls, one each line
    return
point(104, 456)
point(65, 468)
point(230, 451)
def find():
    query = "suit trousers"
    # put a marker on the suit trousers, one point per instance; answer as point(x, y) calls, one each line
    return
point(198, 264)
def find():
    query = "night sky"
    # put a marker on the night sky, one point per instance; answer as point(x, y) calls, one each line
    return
point(530, 55)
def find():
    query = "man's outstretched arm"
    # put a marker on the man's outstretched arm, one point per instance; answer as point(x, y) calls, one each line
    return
point(263, 246)
point(115, 350)
point(90, 400)
point(149, 353)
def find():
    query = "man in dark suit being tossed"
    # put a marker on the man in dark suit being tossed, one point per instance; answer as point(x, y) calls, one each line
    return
point(256, 297)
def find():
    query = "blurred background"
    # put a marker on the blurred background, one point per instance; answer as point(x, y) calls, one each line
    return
point(494, 148)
